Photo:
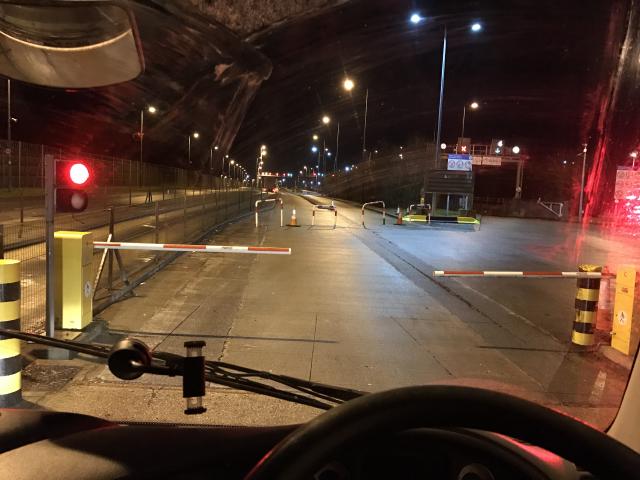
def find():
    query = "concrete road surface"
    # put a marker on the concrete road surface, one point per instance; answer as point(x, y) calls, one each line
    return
point(357, 307)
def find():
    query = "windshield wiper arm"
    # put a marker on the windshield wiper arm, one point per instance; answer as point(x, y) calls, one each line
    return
point(306, 392)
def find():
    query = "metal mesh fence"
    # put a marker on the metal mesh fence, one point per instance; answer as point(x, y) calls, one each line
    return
point(136, 202)
point(22, 166)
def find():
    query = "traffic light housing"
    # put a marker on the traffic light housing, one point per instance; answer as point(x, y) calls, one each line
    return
point(497, 147)
point(72, 177)
point(463, 145)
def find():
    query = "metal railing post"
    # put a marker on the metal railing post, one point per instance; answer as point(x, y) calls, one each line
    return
point(111, 235)
point(157, 222)
point(184, 217)
point(203, 209)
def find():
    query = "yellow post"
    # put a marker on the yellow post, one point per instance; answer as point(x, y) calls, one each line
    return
point(10, 359)
point(586, 305)
point(624, 331)
point(74, 286)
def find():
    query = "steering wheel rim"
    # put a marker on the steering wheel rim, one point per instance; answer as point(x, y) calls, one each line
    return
point(311, 446)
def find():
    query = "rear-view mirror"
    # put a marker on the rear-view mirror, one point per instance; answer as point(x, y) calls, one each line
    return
point(69, 43)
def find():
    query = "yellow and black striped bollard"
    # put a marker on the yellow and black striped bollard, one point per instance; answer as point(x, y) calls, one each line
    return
point(10, 360)
point(586, 304)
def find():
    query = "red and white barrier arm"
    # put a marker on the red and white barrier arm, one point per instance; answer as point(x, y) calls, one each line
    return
point(176, 247)
point(498, 274)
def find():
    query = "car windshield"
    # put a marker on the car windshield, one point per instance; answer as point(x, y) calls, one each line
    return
point(368, 194)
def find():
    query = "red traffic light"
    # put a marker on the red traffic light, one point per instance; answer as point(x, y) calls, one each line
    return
point(78, 173)
point(72, 178)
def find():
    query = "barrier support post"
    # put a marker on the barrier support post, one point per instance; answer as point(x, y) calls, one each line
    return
point(624, 331)
point(586, 305)
point(10, 359)
point(384, 218)
point(281, 213)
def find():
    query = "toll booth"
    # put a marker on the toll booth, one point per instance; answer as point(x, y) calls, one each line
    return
point(450, 191)
point(73, 253)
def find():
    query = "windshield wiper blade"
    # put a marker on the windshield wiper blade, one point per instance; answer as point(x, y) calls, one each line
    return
point(87, 348)
point(330, 392)
point(308, 393)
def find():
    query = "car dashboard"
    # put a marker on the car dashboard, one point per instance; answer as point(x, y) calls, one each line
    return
point(36, 444)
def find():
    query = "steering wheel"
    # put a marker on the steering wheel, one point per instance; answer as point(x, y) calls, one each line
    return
point(316, 443)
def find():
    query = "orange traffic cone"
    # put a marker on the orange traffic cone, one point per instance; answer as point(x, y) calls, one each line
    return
point(293, 222)
point(398, 217)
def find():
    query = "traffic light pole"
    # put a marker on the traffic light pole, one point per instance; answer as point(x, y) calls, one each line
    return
point(49, 182)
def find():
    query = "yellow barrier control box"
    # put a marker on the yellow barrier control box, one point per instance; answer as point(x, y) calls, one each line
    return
point(624, 331)
point(74, 288)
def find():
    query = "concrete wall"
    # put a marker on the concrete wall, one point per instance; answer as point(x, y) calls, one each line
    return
point(398, 182)
point(511, 207)
point(395, 180)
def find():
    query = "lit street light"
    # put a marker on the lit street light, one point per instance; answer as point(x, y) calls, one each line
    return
point(326, 120)
point(260, 162)
point(516, 149)
point(348, 85)
point(315, 137)
point(443, 146)
point(314, 149)
point(475, 27)
point(151, 109)
point(472, 106)
point(584, 167)
point(195, 135)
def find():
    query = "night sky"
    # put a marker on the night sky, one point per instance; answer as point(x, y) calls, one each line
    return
point(540, 70)
point(532, 69)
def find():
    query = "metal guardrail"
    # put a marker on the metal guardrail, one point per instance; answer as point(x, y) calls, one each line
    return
point(554, 207)
point(179, 220)
point(325, 208)
point(377, 202)
point(258, 202)
point(426, 206)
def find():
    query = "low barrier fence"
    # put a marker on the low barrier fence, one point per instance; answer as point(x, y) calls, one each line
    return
point(177, 220)
point(269, 200)
point(623, 332)
point(325, 208)
point(384, 211)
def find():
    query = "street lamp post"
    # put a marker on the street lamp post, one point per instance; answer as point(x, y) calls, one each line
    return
point(348, 85)
point(364, 130)
point(195, 135)
point(473, 106)
point(475, 27)
point(151, 109)
point(584, 165)
point(211, 150)
point(260, 162)
point(325, 120)
point(440, 101)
